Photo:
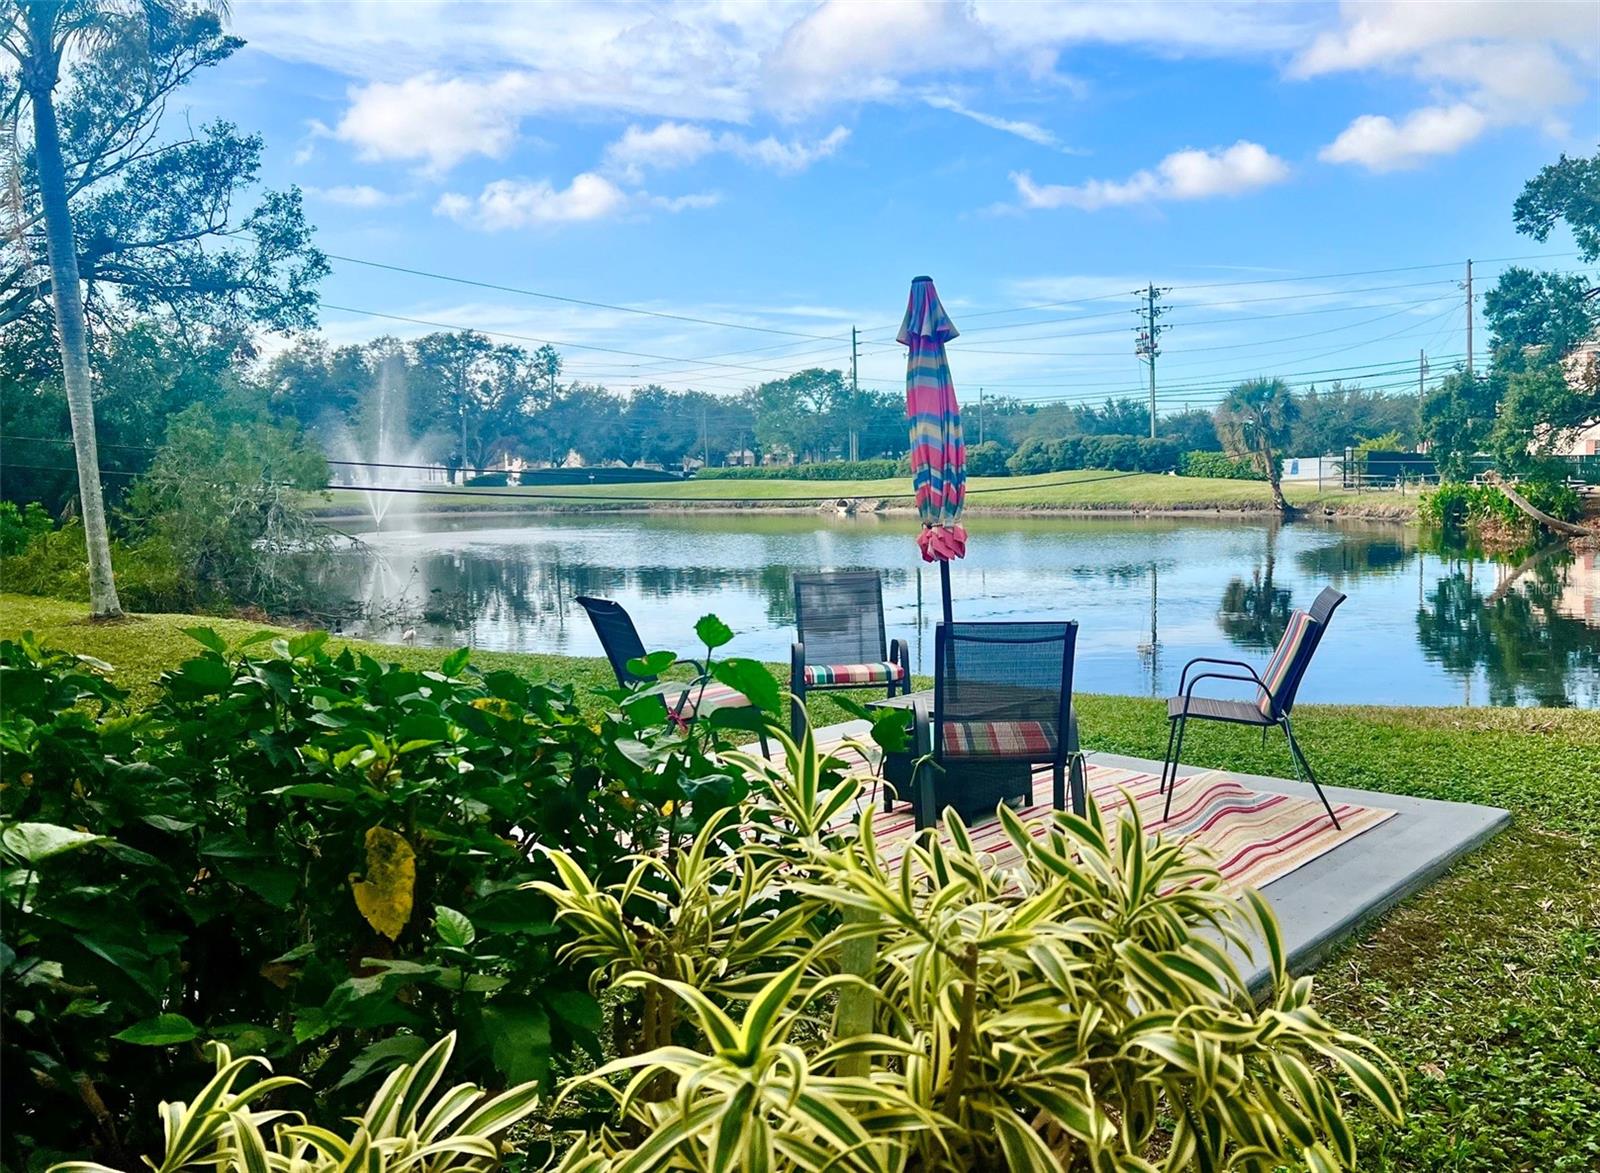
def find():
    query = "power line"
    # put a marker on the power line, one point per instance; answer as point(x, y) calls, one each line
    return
point(627, 309)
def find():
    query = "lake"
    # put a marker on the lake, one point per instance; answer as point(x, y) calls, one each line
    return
point(1421, 627)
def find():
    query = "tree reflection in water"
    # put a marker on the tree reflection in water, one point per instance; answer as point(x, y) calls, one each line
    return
point(1255, 614)
point(1528, 648)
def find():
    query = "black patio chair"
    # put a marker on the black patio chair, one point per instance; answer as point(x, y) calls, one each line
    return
point(1002, 704)
point(842, 644)
point(1276, 687)
point(621, 642)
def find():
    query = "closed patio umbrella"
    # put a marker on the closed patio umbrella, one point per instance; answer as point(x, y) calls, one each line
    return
point(938, 456)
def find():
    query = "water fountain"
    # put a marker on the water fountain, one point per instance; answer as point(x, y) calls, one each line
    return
point(379, 453)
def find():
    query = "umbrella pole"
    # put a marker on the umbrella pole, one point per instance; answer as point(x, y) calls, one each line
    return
point(944, 585)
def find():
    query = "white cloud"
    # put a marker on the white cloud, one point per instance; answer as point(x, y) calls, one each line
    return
point(678, 144)
point(436, 120)
point(1488, 63)
point(530, 203)
point(1380, 144)
point(360, 195)
point(668, 145)
point(1379, 34)
point(1031, 131)
point(1183, 175)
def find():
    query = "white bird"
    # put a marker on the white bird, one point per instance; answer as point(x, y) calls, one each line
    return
point(409, 635)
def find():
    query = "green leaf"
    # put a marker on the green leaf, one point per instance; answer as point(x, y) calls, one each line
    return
point(306, 643)
point(752, 679)
point(713, 632)
point(453, 928)
point(653, 664)
point(207, 673)
point(455, 661)
point(34, 843)
point(161, 1031)
point(382, 1056)
point(206, 637)
point(520, 1034)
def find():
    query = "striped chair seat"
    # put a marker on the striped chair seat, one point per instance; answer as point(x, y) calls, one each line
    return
point(1012, 739)
point(1213, 709)
point(880, 672)
point(713, 696)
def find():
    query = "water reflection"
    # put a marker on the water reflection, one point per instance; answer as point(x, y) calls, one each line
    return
point(1422, 626)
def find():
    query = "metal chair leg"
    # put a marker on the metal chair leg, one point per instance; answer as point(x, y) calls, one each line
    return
point(1177, 752)
point(1303, 768)
point(1166, 759)
point(797, 711)
point(1080, 786)
point(1058, 794)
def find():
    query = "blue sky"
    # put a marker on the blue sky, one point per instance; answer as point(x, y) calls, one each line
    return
point(791, 166)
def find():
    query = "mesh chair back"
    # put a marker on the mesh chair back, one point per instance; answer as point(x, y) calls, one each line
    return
point(1288, 665)
point(1004, 671)
point(618, 636)
point(839, 615)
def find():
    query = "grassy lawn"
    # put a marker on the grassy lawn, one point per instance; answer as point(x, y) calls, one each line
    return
point(1073, 490)
point(1486, 987)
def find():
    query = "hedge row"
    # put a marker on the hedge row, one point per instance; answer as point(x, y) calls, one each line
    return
point(1118, 453)
point(828, 470)
point(1221, 465)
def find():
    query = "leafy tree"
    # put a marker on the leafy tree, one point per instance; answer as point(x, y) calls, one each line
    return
point(1118, 417)
point(1566, 190)
point(452, 371)
point(1549, 310)
point(1255, 421)
point(797, 412)
point(1337, 417)
point(224, 497)
point(1456, 419)
point(125, 220)
point(1194, 430)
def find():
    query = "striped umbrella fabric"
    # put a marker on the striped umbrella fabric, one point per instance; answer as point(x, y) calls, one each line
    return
point(938, 456)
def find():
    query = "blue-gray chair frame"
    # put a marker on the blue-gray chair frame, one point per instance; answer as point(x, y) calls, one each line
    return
point(1186, 707)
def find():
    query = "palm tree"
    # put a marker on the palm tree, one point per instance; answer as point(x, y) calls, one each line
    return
point(38, 33)
point(1254, 421)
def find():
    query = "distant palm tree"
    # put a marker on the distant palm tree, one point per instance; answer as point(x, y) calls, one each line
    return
point(38, 33)
point(1254, 422)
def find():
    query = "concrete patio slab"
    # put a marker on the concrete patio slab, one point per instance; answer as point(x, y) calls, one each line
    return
point(1326, 900)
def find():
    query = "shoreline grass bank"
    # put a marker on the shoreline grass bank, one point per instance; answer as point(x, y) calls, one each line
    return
point(1086, 493)
point(1486, 986)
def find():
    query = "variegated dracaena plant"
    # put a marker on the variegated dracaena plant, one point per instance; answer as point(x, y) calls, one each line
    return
point(1079, 1010)
point(406, 1128)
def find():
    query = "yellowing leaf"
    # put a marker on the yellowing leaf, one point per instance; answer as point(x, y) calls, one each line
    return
point(384, 897)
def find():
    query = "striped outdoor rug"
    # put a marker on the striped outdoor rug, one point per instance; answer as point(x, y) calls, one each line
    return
point(1253, 837)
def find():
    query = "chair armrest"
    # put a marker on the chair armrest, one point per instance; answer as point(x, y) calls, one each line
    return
point(900, 653)
point(1183, 676)
point(700, 669)
point(1250, 679)
point(797, 665)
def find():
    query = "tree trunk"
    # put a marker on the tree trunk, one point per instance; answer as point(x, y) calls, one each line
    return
point(72, 335)
point(1275, 479)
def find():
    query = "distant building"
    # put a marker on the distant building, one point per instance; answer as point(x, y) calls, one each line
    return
point(1583, 370)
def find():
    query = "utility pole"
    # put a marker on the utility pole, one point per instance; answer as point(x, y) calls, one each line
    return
point(855, 401)
point(980, 415)
point(1422, 371)
point(1469, 315)
point(1149, 333)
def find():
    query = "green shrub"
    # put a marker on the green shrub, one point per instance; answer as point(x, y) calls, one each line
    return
point(150, 576)
point(1454, 505)
point(1115, 453)
point(1220, 465)
point(988, 459)
point(319, 858)
point(1078, 1011)
point(828, 470)
point(20, 526)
